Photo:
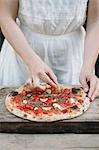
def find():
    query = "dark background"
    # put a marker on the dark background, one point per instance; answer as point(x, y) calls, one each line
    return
point(1, 39)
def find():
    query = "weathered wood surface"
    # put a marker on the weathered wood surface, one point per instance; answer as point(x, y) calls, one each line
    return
point(87, 123)
point(49, 142)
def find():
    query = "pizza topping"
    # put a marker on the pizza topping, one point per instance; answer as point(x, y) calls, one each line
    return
point(24, 101)
point(80, 100)
point(36, 103)
point(56, 105)
point(30, 107)
point(74, 107)
point(43, 99)
point(38, 110)
point(64, 111)
point(66, 91)
point(75, 90)
point(54, 100)
point(48, 91)
point(17, 99)
point(14, 93)
point(72, 100)
point(36, 98)
point(29, 95)
point(46, 108)
point(35, 108)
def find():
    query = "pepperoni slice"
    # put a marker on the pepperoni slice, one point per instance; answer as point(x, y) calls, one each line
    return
point(65, 111)
point(80, 101)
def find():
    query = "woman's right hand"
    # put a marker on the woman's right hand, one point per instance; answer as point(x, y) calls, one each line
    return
point(38, 70)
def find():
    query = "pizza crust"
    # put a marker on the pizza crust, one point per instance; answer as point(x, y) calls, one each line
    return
point(47, 118)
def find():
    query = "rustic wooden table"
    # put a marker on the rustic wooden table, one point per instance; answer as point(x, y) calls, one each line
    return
point(87, 123)
point(49, 142)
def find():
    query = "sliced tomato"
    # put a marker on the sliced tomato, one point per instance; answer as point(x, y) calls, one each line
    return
point(36, 97)
point(66, 91)
point(49, 101)
point(65, 111)
point(45, 112)
point(67, 103)
point(80, 101)
point(28, 107)
point(17, 105)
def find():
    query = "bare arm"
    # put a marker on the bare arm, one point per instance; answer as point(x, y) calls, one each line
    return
point(91, 50)
point(92, 35)
point(8, 13)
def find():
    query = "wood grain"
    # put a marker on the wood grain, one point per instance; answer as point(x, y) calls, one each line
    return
point(87, 123)
point(49, 142)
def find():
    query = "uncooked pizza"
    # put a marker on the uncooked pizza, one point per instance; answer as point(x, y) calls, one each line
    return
point(50, 104)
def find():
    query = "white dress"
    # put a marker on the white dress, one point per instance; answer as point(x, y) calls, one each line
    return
point(54, 30)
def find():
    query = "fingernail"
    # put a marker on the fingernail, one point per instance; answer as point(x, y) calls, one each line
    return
point(56, 81)
point(54, 85)
point(92, 98)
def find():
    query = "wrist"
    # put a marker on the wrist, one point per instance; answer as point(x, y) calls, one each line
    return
point(88, 66)
point(88, 69)
point(29, 57)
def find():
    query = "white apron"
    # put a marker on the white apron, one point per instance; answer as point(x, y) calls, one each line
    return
point(54, 30)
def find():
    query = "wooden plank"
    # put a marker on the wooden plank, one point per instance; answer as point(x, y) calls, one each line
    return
point(49, 142)
point(56, 127)
point(87, 123)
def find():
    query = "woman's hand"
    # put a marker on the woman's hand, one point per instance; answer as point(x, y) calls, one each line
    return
point(38, 70)
point(89, 77)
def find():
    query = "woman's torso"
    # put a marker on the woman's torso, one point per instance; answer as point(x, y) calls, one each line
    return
point(64, 54)
point(52, 17)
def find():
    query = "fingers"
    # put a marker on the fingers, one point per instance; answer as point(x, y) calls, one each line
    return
point(93, 82)
point(29, 80)
point(47, 79)
point(52, 76)
point(84, 84)
point(35, 82)
point(96, 92)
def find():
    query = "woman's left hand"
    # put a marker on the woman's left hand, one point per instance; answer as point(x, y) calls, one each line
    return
point(93, 89)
